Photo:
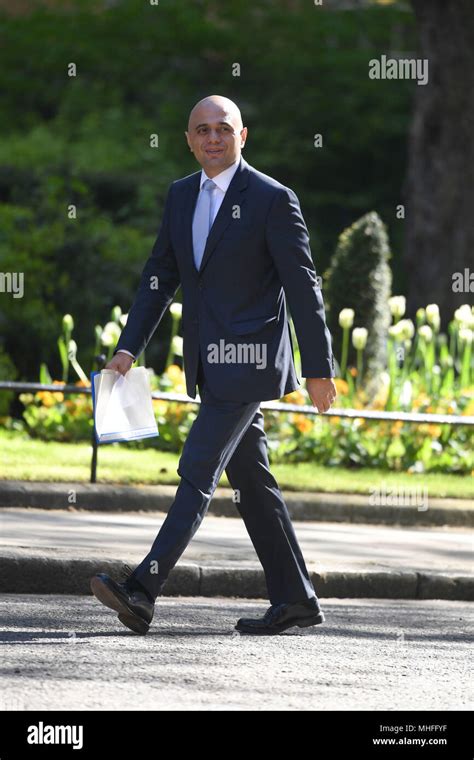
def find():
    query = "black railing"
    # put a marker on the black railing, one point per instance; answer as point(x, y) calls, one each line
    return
point(274, 406)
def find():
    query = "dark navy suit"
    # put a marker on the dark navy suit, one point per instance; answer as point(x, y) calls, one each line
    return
point(257, 258)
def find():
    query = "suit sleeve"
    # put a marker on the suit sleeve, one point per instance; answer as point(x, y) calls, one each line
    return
point(288, 243)
point(159, 282)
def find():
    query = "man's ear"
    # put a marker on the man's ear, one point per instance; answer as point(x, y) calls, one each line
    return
point(187, 140)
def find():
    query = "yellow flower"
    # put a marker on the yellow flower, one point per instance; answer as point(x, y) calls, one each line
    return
point(302, 422)
point(160, 407)
point(420, 401)
point(174, 372)
point(49, 398)
point(469, 410)
point(295, 397)
point(341, 386)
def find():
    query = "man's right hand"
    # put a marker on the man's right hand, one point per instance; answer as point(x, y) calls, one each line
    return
point(120, 363)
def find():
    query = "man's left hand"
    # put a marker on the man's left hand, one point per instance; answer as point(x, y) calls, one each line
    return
point(322, 392)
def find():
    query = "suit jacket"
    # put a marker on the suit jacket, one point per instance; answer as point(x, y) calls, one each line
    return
point(234, 310)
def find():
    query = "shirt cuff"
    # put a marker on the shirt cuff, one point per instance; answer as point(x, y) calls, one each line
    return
point(124, 351)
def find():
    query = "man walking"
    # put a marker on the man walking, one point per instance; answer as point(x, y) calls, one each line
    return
point(236, 242)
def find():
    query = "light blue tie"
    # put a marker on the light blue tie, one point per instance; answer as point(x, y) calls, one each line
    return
point(202, 220)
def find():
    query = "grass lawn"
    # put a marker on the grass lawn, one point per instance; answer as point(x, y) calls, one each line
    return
point(23, 458)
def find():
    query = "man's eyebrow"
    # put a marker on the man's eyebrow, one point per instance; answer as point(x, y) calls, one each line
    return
point(205, 124)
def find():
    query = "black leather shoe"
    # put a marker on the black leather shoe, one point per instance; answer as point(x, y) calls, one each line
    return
point(279, 617)
point(134, 607)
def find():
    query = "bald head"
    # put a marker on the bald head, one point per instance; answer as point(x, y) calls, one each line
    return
point(216, 134)
point(219, 104)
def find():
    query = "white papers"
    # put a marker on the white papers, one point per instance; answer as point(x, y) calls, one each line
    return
point(123, 409)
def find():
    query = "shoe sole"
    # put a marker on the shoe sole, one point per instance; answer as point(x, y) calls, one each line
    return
point(304, 623)
point(106, 596)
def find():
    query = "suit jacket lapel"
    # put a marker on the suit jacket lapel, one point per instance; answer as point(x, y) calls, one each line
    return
point(187, 216)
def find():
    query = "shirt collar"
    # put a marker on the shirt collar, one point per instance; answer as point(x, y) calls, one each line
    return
point(223, 179)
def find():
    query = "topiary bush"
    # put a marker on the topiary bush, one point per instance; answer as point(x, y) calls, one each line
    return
point(360, 279)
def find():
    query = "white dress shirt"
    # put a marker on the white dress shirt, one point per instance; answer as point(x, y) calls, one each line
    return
point(222, 181)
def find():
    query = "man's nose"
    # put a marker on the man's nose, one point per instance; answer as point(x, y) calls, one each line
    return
point(214, 136)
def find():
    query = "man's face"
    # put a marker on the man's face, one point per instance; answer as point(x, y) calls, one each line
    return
point(216, 138)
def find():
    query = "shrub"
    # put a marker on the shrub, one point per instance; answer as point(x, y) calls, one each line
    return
point(360, 279)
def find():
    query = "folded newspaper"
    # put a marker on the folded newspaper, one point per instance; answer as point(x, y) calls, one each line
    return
point(123, 409)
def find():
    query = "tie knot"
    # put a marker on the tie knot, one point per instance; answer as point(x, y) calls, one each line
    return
point(208, 185)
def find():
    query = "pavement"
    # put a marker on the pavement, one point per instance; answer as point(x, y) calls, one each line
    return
point(57, 551)
point(71, 653)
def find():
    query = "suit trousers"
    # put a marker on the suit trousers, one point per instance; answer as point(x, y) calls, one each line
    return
point(229, 435)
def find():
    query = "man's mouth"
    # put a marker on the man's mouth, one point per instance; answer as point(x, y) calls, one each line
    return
point(214, 151)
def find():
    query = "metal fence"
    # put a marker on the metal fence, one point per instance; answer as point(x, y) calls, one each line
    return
point(274, 406)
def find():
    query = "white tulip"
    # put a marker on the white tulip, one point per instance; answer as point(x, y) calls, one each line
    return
point(432, 311)
point(464, 316)
point(407, 393)
point(396, 331)
point(420, 316)
point(176, 309)
point(346, 318)
point(397, 306)
point(465, 335)
point(68, 322)
point(426, 333)
point(359, 338)
point(177, 345)
point(408, 328)
point(402, 330)
point(432, 315)
point(111, 334)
